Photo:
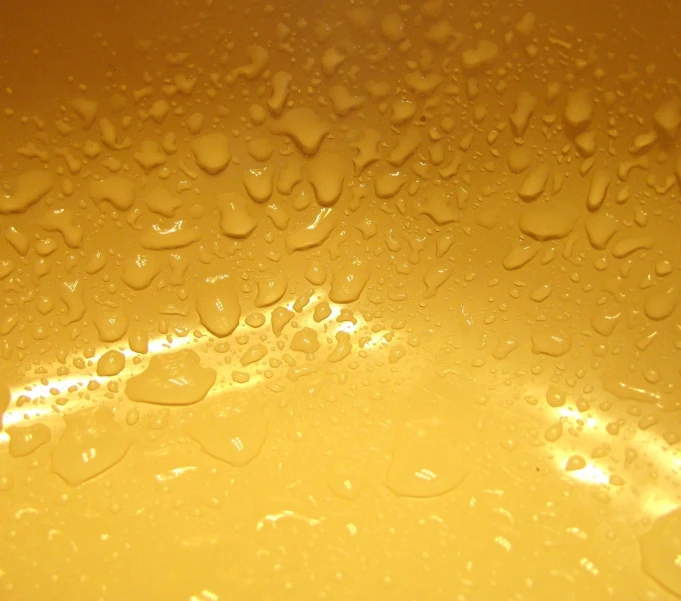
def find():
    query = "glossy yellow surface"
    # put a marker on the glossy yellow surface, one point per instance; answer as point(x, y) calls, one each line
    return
point(362, 300)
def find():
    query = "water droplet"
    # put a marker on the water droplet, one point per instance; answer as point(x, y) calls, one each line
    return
point(217, 304)
point(175, 378)
point(548, 221)
point(23, 440)
point(29, 188)
point(253, 354)
point(305, 341)
point(91, 443)
point(116, 190)
point(348, 279)
point(111, 363)
point(661, 549)
point(271, 290)
point(230, 431)
point(550, 341)
point(304, 126)
point(212, 152)
point(111, 326)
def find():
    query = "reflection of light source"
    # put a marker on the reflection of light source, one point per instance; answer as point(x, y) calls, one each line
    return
point(16, 414)
point(589, 566)
point(89, 455)
point(426, 474)
point(175, 473)
point(503, 543)
point(42, 394)
point(205, 595)
point(656, 500)
point(590, 474)
point(273, 518)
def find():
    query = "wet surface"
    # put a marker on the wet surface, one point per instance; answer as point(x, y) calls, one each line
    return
point(378, 302)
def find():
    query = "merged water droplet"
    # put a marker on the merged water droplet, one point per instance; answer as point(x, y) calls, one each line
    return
point(172, 378)
point(24, 439)
point(91, 444)
point(232, 431)
point(661, 549)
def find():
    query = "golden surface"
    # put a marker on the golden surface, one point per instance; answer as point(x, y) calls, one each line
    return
point(367, 301)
